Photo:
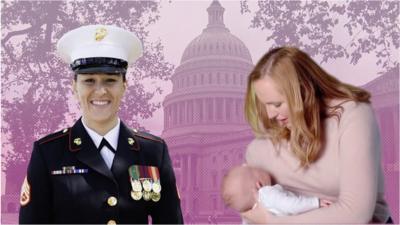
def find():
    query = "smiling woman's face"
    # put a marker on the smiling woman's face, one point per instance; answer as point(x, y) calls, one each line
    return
point(274, 101)
point(99, 96)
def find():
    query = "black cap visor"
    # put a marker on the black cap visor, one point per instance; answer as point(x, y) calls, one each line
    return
point(100, 69)
point(99, 65)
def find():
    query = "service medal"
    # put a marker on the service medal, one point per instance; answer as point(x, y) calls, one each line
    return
point(147, 185)
point(157, 187)
point(134, 174)
point(136, 186)
point(155, 197)
point(136, 195)
point(146, 195)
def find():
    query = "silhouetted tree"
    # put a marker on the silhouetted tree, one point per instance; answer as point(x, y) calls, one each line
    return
point(373, 27)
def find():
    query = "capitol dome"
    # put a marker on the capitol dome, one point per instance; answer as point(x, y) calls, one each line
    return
point(216, 39)
point(209, 85)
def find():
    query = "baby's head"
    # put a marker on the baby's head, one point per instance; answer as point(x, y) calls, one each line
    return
point(240, 186)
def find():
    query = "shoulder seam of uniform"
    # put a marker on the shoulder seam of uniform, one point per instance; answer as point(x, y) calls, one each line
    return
point(53, 138)
point(148, 137)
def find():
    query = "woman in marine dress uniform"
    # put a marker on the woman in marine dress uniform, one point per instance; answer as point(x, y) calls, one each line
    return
point(99, 170)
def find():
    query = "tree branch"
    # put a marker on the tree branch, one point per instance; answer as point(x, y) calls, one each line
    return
point(18, 32)
point(15, 33)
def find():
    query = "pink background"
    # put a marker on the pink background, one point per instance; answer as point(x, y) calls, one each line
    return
point(189, 85)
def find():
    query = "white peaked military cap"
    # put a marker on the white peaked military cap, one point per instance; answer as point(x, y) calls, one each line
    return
point(99, 49)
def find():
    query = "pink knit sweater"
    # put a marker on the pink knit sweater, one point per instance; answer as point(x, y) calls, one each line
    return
point(348, 171)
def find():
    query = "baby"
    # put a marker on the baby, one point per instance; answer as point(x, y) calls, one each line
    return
point(244, 186)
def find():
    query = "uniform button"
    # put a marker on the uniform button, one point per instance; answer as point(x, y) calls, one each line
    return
point(112, 201)
point(111, 222)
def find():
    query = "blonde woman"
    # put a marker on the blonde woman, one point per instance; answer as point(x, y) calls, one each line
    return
point(316, 136)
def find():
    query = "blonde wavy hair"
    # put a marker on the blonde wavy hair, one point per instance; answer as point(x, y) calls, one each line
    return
point(308, 90)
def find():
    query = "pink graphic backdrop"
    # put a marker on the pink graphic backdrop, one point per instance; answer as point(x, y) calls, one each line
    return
point(189, 85)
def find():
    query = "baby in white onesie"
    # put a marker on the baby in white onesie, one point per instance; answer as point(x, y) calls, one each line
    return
point(244, 186)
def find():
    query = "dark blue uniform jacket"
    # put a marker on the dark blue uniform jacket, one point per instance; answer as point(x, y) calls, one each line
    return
point(84, 197)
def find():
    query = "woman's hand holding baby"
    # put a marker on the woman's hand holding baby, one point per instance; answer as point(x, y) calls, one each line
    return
point(258, 215)
point(324, 203)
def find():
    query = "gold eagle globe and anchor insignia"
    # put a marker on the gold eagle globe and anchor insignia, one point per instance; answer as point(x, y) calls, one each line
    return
point(131, 141)
point(100, 34)
point(78, 141)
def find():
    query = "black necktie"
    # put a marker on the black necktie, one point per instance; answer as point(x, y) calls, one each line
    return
point(103, 143)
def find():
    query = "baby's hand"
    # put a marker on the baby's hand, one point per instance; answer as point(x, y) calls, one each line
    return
point(324, 203)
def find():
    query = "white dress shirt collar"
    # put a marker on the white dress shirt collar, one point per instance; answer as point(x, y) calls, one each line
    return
point(111, 136)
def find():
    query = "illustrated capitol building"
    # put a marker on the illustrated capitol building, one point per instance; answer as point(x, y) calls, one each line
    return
point(204, 123)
